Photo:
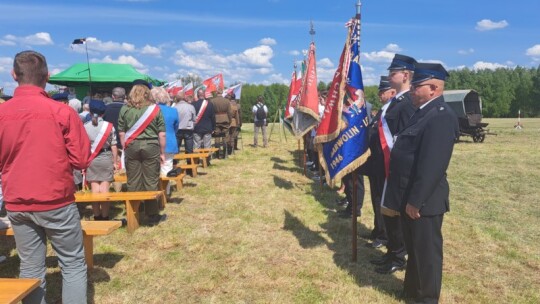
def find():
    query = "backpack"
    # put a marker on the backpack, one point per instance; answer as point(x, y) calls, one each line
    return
point(260, 114)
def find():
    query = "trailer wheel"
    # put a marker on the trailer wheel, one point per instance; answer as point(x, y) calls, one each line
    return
point(478, 137)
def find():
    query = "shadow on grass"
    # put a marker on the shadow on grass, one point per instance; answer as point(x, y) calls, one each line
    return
point(283, 168)
point(282, 183)
point(340, 232)
point(278, 160)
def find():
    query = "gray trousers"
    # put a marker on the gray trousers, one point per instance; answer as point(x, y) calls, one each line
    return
point(63, 228)
point(265, 137)
point(202, 140)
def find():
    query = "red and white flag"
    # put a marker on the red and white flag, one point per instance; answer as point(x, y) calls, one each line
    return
point(236, 89)
point(173, 87)
point(214, 83)
point(188, 89)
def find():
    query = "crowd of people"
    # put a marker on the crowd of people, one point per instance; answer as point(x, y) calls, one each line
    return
point(88, 142)
point(411, 141)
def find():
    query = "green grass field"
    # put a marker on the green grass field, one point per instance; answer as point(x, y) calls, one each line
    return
point(253, 229)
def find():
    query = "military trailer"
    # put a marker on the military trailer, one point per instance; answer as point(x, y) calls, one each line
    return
point(467, 105)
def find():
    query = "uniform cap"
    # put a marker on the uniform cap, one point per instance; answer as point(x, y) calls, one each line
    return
point(97, 107)
point(384, 84)
point(402, 62)
point(426, 71)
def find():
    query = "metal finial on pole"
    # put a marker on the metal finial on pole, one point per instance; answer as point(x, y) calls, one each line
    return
point(312, 31)
point(358, 6)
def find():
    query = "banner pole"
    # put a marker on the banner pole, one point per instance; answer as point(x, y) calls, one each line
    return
point(354, 220)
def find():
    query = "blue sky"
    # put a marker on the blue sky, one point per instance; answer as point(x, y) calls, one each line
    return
point(257, 41)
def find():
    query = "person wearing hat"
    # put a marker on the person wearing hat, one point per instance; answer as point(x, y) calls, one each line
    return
point(394, 117)
point(62, 97)
point(418, 184)
point(100, 173)
point(142, 132)
point(375, 164)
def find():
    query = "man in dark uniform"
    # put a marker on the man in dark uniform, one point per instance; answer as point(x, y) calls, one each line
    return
point(417, 185)
point(223, 112)
point(375, 165)
point(394, 118)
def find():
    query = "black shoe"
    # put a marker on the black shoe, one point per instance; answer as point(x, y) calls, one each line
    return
point(389, 268)
point(98, 218)
point(377, 243)
point(385, 259)
point(342, 202)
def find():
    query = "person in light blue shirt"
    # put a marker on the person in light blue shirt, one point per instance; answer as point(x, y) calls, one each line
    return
point(170, 115)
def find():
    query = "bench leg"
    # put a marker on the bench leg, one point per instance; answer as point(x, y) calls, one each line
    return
point(204, 162)
point(179, 183)
point(88, 242)
point(163, 187)
point(132, 215)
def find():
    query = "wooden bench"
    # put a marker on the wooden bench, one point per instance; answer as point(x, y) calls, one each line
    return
point(193, 167)
point(14, 290)
point(131, 199)
point(206, 150)
point(163, 181)
point(90, 229)
point(194, 157)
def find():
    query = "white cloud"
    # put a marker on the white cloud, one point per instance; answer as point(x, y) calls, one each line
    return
point(6, 64)
point(380, 56)
point(325, 63)
point(482, 65)
point(276, 78)
point(294, 53)
point(466, 52)
point(198, 57)
point(488, 25)
point(124, 60)
point(392, 47)
point(534, 51)
point(97, 45)
point(40, 38)
point(268, 41)
point(197, 47)
point(151, 50)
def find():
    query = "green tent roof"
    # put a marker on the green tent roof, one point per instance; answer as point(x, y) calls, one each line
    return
point(108, 74)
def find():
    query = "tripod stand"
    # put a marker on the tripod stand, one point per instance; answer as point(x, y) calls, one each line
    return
point(281, 127)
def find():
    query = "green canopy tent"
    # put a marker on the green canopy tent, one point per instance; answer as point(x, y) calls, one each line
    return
point(105, 76)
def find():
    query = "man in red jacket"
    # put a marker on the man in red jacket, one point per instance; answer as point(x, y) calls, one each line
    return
point(41, 142)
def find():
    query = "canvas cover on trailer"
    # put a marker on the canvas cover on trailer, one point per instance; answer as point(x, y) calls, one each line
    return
point(463, 102)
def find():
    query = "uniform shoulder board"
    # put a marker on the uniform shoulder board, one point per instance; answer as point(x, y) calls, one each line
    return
point(441, 109)
point(401, 97)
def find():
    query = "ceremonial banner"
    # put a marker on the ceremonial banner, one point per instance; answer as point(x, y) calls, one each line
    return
point(342, 135)
point(236, 89)
point(294, 89)
point(306, 114)
point(214, 83)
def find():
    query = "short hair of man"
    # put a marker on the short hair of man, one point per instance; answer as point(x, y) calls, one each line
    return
point(30, 67)
point(139, 96)
point(119, 93)
point(200, 94)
